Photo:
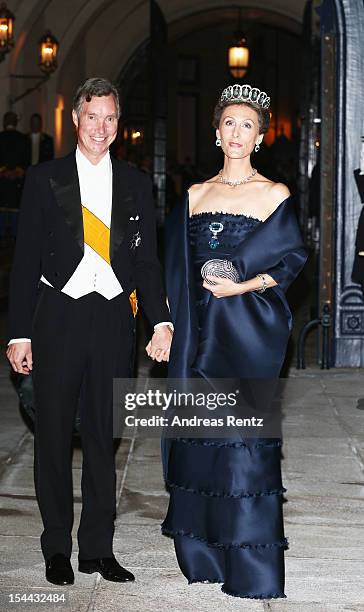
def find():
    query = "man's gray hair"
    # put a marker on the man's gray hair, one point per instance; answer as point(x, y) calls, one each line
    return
point(95, 87)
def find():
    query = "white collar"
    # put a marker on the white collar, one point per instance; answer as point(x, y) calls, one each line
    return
point(82, 160)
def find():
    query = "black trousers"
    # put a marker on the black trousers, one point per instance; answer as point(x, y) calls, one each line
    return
point(78, 345)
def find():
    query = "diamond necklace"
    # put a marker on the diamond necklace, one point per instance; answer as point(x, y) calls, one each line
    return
point(245, 179)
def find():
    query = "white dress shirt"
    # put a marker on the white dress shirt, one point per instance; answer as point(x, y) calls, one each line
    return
point(93, 273)
point(35, 140)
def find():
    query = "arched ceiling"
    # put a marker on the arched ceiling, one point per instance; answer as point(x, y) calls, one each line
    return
point(98, 37)
point(176, 9)
point(232, 15)
point(127, 22)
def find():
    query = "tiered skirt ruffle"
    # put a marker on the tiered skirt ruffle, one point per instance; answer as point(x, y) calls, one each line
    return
point(225, 514)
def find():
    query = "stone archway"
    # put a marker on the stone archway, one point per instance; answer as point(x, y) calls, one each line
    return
point(207, 36)
point(98, 36)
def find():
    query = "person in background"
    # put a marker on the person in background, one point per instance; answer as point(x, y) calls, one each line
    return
point(357, 275)
point(14, 159)
point(41, 144)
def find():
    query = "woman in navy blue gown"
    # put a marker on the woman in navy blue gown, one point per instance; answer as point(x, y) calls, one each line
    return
point(233, 248)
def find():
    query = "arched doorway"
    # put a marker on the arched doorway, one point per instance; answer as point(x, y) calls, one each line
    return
point(197, 72)
point(334, 140)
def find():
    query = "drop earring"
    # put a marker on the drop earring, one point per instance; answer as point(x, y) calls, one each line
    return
point(256, 148)
point(218, 142)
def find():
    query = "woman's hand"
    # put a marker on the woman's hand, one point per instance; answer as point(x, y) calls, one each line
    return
point(159, 346)
point(223, 287)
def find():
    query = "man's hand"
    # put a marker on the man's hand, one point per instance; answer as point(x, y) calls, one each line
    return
point(20, 357)
point(159, 346)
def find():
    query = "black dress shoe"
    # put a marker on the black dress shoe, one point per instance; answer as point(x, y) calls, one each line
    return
point(59, 570)
point(108, 567)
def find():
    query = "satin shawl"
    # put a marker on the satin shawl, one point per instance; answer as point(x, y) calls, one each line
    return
point(244, 335)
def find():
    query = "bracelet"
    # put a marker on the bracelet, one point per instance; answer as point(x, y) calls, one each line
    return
point(264, 283)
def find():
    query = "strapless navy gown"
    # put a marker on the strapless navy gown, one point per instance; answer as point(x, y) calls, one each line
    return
point(225, 510)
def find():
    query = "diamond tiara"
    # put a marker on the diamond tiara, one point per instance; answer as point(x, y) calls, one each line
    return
point(245, 93)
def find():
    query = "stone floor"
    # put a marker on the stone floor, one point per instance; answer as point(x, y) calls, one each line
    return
point(324, 516)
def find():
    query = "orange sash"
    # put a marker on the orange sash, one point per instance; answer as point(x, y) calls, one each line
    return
point(97, 236)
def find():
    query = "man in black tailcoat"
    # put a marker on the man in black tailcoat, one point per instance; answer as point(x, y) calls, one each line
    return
point(40, 143)
point(86, 241)
point(14, 159)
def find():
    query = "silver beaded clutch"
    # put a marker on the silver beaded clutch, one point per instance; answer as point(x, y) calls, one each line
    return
point(219, 267)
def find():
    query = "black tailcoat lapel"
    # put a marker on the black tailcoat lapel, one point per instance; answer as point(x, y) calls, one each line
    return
point(66, 188)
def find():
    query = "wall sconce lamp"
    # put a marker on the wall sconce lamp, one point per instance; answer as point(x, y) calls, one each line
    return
point(48, 51)
point(6, 31)
point(133, 136)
